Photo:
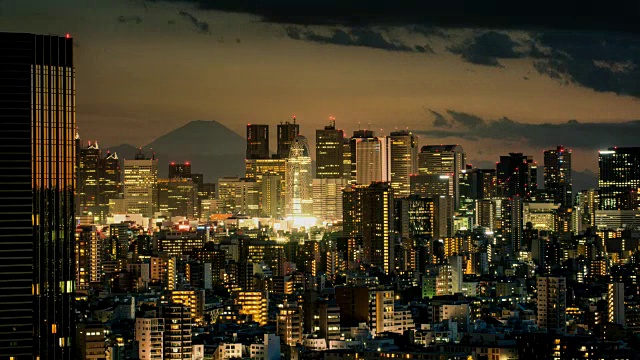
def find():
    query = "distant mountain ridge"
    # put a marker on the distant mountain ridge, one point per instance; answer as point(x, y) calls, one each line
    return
point(213, 150)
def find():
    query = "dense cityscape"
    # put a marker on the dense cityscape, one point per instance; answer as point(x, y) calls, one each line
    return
point(366, 246)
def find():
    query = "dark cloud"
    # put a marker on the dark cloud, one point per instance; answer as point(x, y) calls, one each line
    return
point(129, 19)
point(571, 133)
point(456, 118)
point(487, 48)
point(354, 37)
point(426, 48)
point(482, 14)
point(601, 61)
point(201, 26)
point(439, 121)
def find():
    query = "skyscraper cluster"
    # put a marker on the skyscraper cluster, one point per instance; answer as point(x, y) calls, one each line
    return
point(380, 249)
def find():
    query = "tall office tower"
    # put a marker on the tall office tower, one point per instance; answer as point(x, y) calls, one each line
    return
point(513, 225)
point(479, 183)
point(484, 212)
point(206, 192)
point(89, 254)
point(247, 197)
point(588, 201)
point(177, 196)
point(378, 226)
point(352, 200)
point(443, 160)
point(552, 303)
point(38, 117)
point(329, 152)
point(286, 133)
point(270, 195)
point(369, 158)
point(431, 185)
point(443, 214)
point(615, 303)
point(227, 194)
point(346, 159)
point(299, 196)
point(619, 178)
point(258, 168)
point(149, 332)
point(415, 217)
point(109, 180)
point(87, 179)
point(403, 152)
point(141, 185)
point(517, 175)
point(257, 141)
point(180, 170)
point(557, 176)
point(327, 198)
point(177, 331)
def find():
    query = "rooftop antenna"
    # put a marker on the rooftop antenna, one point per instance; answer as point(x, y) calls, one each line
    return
point(294, 118)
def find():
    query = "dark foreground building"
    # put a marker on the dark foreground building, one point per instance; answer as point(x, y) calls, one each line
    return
point(37, 152)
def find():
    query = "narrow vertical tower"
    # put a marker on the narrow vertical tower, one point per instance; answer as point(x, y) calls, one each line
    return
point(37, 230)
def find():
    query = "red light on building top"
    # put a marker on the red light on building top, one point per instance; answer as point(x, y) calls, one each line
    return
point(68, 36)
point(173, 163)
point(187, 163)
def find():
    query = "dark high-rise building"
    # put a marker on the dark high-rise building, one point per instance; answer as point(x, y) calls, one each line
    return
point(619, 178)
point(517, 176)
point(109, 180)
point(257, 141)
point(415, 217)
point(180, 170)
point(557, 176)
point(368, 212)
point(286, 133)
point(87, 179)
point(329, 152)
point(37, 318)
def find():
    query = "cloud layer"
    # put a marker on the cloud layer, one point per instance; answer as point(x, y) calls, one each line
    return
point(571, 133)
point(364, 37)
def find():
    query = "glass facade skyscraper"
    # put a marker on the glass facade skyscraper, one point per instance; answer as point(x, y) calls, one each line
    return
point(37, 178)
point(619, 178)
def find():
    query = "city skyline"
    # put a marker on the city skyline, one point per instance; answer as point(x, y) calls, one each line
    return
point(441, 96)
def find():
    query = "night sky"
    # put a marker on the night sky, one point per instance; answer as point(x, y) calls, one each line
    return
point(144, 68)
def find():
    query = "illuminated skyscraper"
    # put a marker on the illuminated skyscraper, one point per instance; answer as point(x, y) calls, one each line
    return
point(259, 168)
point(87, 179)
point(140, 185)
point(109, 180)
point(619, 178)
point(299, 195)
point(37, 85)
point(369, 158)
point(403, 162)
point(329, 152)
point(557, 176)
point(327, 198)
point(443, 160)
point(257, 141)
point(286, 133)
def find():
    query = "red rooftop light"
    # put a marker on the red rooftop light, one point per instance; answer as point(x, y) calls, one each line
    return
point(68, 36)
